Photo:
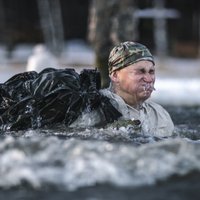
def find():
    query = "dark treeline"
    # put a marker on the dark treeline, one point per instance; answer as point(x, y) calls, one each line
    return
point(20, 22)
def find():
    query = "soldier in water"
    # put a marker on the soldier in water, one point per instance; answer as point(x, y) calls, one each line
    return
point(35, 100)
point(132, 74)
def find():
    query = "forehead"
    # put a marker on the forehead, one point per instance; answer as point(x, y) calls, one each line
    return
point(141, 64)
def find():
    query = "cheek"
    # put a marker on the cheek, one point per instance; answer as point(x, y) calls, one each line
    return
point(129, 84)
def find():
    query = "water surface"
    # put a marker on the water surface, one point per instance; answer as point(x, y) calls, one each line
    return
point(109, 163)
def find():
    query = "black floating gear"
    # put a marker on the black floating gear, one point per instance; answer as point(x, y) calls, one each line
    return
point(34, 100)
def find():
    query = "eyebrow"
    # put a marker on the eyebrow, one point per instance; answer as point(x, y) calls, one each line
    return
point(152, 66)
point(142, 69)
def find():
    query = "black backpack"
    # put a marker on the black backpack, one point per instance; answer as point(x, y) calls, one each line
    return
point(34, 100)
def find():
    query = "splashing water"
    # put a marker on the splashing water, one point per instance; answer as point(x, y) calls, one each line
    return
point(71, 160)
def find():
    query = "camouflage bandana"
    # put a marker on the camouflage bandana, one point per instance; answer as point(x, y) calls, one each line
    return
point(127, 53)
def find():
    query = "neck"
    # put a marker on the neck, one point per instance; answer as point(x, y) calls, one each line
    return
point(131, 100)
point(134, 103)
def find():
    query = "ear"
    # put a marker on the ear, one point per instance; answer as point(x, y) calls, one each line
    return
point(114, 76)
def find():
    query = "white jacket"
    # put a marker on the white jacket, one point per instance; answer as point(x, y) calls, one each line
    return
point(155, 120)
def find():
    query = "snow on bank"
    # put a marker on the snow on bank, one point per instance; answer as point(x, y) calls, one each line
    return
point(177, 91)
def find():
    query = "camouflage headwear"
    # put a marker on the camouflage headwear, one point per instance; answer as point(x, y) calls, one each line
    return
point(127, 53)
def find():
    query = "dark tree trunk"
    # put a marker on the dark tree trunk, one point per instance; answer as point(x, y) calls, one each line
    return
point(110, 22)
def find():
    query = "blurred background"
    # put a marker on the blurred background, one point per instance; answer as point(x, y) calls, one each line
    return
point(80, 33)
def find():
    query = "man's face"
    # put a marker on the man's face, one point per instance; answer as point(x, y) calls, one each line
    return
point(136, 80)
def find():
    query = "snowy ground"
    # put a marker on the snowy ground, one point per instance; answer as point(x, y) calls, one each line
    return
point(178, 80)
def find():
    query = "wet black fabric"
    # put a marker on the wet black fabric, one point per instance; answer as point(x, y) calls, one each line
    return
point(34, 100)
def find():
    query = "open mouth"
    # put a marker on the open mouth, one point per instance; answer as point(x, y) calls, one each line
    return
point(148, 87)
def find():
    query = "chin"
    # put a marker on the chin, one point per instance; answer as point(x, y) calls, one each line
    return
point(145, 97)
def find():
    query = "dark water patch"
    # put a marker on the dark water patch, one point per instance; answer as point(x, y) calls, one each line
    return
point(175, 188)
point(189, 115)
point(186, 120)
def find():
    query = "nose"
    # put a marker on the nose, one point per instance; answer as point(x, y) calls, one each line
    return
point(148, 77)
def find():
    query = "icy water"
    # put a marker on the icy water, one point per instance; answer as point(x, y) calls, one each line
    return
point(99, 164)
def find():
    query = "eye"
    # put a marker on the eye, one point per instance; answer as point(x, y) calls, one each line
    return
point(152, 71)
point(142, 71)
